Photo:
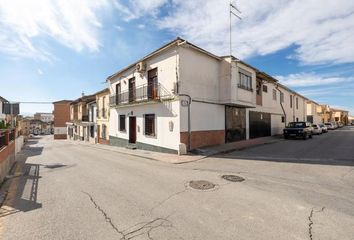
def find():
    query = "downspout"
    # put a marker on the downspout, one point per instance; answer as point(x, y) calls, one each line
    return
point(184, 95)
point(281, 104)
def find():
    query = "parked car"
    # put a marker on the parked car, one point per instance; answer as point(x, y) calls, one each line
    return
point(298, 129)
point(340, 124)
point(316, 129)
point(330, 126)
point(323, 127)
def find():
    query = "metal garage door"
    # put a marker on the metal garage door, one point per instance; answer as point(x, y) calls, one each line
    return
point(260, 124)
point(235, 124)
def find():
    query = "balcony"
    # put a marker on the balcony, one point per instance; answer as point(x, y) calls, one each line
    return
point(102, 113)
point(85, 118)
point(141, 94)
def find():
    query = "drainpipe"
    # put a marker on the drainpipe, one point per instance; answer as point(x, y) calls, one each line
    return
point(281, 104)
point(189, 120)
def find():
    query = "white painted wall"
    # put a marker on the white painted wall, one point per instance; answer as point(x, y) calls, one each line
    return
point(165, 113)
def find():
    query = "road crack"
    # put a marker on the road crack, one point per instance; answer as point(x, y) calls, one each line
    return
point(142, 228)
point(310, 218)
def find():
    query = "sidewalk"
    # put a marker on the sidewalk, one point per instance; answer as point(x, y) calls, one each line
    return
point(201, 153)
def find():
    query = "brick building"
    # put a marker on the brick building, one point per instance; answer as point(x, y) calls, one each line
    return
point(61, 116)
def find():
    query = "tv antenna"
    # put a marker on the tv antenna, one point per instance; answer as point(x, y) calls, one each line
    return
point(234, 11)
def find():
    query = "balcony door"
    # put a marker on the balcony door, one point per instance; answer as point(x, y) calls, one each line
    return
point(118, 92)
point(152, 89)
point(132, 90)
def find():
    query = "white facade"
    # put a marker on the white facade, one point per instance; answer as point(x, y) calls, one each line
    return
point(214, 84)
point(313, 111)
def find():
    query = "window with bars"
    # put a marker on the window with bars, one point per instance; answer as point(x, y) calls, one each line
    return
point(291, 101)
point(149, 124)
point(281, 97)
point(297, 103)
point(274, 95)
point(122, 123)
point(245, 80)
point(265, 88)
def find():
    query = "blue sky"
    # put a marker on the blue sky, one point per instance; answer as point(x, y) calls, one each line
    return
point(52, 49)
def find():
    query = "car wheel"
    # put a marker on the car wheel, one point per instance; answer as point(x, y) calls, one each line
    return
point(286, 137)
point(310, 136)
point(304, 136)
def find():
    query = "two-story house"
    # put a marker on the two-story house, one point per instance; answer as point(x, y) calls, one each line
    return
point(182, 97)
point(313, 111)
point(79, 126)
point(102, 116)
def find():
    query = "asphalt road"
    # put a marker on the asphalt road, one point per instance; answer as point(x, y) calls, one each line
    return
point(61, 190)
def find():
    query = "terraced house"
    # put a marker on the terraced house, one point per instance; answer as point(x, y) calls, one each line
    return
point(79, 126)
point(102, 117)
point(183, 97)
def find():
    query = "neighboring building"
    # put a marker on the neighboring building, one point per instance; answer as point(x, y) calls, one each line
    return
point(314, 112)
point(79, 126)
point(326, 114)
point(102, 103)
point(2, 115)
point(92, 113)
point(231, 101)
point(44, 117)
point(61, 115)
point(339, 115)
point(351, 120)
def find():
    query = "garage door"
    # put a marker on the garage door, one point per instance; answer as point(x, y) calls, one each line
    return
point(235, 121)
point(260, 124)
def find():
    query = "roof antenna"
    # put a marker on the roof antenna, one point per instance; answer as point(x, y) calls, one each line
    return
point(234, 11)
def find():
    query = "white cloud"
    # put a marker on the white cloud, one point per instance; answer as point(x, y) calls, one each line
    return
point(311, 79)
point(72, 23)
point(39, 71)
point(321, 30)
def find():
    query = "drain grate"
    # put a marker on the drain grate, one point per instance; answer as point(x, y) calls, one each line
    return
point(233, 178)
point(201, 185)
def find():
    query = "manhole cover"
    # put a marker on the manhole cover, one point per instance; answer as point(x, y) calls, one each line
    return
point(54, 166)
point(201, 185)
point(233, 178)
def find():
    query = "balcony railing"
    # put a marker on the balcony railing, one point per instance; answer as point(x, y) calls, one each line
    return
point(2, 139)
point(102, 113)
point(12, 135)
point(85, 118)
point(143, 93)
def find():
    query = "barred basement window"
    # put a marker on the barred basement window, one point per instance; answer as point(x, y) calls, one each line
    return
point(150, 124)
point(122, 123)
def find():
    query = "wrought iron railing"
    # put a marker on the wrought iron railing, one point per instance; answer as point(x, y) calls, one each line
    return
point(2, 139)
point(85, 118)
point(143, 93)
point(12, 135)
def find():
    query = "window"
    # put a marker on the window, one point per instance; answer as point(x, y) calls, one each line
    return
point(274, 95)
point(297, 103)
point(265, 88)
point(281, 97)
point(291, 101)
point(245, 80)
point(122, 123)
point(297, 119)
point(150, 124)
point(282, 119)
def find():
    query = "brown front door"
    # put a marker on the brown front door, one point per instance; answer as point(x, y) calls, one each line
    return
point(132, 129)
point(98, 132)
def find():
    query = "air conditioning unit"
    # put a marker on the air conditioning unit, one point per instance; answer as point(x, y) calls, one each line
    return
point(140, 67)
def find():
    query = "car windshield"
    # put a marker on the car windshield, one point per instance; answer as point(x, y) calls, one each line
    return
point(297, 125)
point(328, 124)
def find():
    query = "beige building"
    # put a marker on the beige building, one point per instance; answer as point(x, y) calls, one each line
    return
point(314, 112)
point(339, 115)
point(102, 116)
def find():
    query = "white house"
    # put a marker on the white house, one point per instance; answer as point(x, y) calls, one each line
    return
point(313, 111)
point(181, 96)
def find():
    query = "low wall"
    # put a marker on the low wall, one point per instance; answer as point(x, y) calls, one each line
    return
point(7, 156)
point(19, 143)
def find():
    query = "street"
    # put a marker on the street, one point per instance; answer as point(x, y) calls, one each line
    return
point(293, 189)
